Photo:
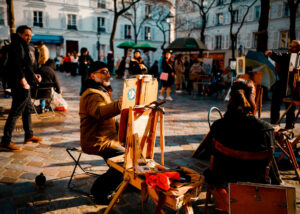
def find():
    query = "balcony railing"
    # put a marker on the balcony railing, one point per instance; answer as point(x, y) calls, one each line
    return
point(38, 24)
point(72, 27)
point(101, 5)
point(1, 21)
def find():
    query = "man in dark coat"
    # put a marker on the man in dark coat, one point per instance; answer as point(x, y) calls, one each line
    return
point(49, 79)
point(279, 89)
point(20, 80)
point(85, 61)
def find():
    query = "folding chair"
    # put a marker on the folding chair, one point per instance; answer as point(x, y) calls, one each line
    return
point(71, 152)
point(139, 132)
point(43, 91)
point(238, 156)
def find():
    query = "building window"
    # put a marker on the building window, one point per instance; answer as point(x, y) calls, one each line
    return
point(220, 19)
point(101, 4)
point(147, 33)
point(1, 16)
point(220, 2)
point(284, 39)
point(100, 24)
point(148, 11)
point(127, 31)
point(286, 10)
point(72, 22)
point(235, 16)
point(38, 18)
point(257, 13)
point(255, 38)
point(218, 42)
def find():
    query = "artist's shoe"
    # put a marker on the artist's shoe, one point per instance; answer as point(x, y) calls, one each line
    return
point(10, 147)
point(161, 97)
point(33, 139)
point(169, 98)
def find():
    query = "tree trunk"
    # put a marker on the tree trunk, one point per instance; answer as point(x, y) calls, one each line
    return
point(164, 42)
point(11, 16)
point(113, 33)
point(292, 22)
point(233, 46)
point(262, 36)
point(202, 37)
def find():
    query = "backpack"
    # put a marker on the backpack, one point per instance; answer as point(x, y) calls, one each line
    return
point(4, 64)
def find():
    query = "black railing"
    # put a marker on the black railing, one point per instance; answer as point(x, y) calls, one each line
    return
point(72, 27)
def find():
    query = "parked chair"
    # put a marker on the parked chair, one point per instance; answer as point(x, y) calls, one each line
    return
point(238, 156)
point(43, 91)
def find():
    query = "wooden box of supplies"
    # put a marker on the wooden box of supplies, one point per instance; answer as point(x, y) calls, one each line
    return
point(250, 198)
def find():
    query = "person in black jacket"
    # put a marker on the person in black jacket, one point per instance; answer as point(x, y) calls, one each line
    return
point(167, 67)
point(279, 89)
point(136, 65)
point(49, 78)
point(240, 130)
point(20, 80)
point(85, 60)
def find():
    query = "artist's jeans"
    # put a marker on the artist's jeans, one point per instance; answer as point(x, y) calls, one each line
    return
point(21, 105)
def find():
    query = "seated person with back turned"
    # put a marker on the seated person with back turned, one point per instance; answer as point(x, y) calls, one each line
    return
point(49, 79)
point(98, 131)
point(240, 130)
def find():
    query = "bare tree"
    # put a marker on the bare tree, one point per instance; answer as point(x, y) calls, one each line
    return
point(120, 7)
point(136, 24)
point(233, 35)
point(203, 11)
point(293, 5)
point(262, 34)
point(11, 16)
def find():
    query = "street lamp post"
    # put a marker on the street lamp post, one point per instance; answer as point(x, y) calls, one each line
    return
point(98, 44)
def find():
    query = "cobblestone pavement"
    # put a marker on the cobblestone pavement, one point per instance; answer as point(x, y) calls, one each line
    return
point(185, 126)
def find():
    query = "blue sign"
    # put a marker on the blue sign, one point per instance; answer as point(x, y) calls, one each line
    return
point(131, 94)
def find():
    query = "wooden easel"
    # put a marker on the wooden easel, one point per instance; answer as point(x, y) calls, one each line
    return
point(138, 124)
point(286, 145)
point(140, 140)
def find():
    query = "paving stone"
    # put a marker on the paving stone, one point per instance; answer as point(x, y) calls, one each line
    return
point(8, 180)
point(12, 173)
point(28, 176)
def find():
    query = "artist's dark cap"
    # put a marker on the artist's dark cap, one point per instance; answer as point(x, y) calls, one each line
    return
point(95, 66)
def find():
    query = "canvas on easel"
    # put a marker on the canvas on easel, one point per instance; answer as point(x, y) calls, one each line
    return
point(140, 90)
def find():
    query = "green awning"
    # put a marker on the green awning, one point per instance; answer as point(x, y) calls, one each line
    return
point(50, 39)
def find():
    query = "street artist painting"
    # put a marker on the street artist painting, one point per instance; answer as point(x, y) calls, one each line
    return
point(98, 131)
point(240, 130)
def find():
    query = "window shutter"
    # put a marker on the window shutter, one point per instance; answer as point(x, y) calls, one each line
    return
point(27, 15)
point(248, 44)
point(79, 23)
point(63, 20)
point(279, 11)
point(275, 39)
point(122, 31)
point(240, 15)
point(250, 14)
point(143, 33)
point(108, 25)
point(227, 42)
point(94, 24)
point(223, 41)
point(152, 34)
point(46, 19)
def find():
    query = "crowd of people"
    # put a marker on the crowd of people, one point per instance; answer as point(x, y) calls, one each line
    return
point(30, 68)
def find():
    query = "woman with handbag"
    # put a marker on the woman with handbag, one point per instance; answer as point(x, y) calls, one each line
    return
point(167, 76)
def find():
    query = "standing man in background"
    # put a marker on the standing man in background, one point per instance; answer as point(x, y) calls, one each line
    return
point(285, 79)
point(43, 53)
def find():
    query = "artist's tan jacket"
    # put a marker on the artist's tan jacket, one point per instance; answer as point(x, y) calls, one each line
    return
point(97, 123)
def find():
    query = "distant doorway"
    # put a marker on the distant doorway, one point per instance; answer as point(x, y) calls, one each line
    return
point(71, 46)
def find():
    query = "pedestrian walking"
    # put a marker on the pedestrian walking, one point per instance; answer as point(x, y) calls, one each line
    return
point(43, 53)
point(85, 61)
point(20, 80)
point(179, 71)
point(167, 68)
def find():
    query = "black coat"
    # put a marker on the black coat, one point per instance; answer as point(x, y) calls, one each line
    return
point(20, 64)
point(283, 60)
point(168, 68)
point(134, 67)
point(49, 78)
point(240, 133)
